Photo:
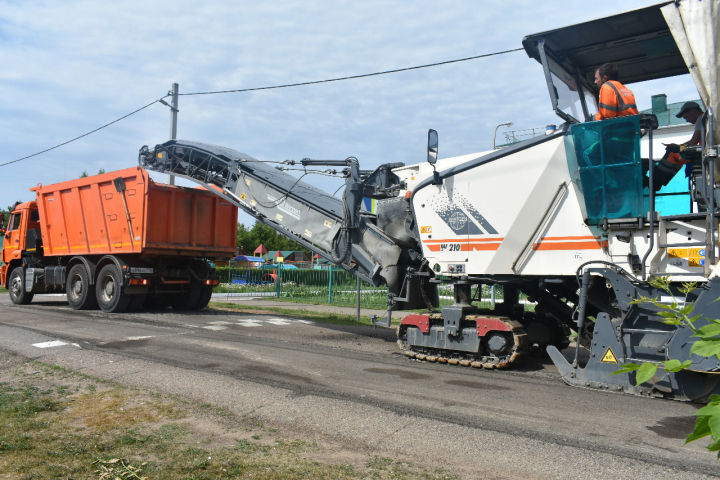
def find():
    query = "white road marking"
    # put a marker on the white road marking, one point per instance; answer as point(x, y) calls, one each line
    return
point(278, 321)
point(53, 343)
point(254, 322)
point(142, 337)
point(215, 328)
point(249, 323)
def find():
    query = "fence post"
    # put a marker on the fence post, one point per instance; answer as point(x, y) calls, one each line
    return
point(358, 299)
point(330, 282)
point(278, 281)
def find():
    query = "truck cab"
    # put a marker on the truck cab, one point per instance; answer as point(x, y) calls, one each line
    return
point(20, 237)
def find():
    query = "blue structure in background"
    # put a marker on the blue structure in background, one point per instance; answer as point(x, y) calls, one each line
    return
point(673, 198)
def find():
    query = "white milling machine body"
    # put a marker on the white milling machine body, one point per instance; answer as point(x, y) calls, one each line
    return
point(568, 219)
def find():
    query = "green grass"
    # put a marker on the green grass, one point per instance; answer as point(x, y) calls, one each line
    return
point(55, 426)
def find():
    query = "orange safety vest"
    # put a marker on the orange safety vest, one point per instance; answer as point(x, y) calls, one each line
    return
point(616, 100)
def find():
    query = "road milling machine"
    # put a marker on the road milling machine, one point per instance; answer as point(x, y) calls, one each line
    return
point(568, 219)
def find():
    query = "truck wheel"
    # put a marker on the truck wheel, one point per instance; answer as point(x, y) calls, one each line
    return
point(80, 294)
point(187, 300)
point(204, 298)
point(16, 287)
point(157, 301)
point(108, 289)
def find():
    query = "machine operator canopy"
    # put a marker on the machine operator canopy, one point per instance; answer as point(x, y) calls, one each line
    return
point(639, 42)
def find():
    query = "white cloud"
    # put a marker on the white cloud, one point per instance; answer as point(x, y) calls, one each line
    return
point(72, 66)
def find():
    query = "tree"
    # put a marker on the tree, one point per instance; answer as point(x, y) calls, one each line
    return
point(707, 423)
point(85, 174)
point(249, 239)
point(5, 214)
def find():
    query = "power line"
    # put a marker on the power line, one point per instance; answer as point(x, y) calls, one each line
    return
point(83, 135)
point(351, 77)
point(287, 85)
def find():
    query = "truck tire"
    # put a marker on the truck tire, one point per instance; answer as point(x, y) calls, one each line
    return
point(204, 299)
point(157, 301)
point(80, 294)
point(16, 287)
point(187, 300)
point(108, 289)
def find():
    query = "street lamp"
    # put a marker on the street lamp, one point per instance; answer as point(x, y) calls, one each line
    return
point(508, 124)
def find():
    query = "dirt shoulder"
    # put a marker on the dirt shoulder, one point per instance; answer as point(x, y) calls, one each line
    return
point(58, 423)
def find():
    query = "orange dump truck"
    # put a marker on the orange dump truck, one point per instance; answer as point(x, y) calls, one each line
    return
point(118, 241)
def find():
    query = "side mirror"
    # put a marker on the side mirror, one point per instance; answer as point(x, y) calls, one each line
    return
point(432, 149)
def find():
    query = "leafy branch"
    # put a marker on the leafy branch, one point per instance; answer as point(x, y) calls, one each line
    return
point(678, 314)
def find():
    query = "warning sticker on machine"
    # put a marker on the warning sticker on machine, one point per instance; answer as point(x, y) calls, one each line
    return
point(609, 357)
point(695, 256)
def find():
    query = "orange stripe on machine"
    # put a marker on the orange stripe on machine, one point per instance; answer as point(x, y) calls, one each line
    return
point(464, 240)
point(581, 242)
point(570, 243)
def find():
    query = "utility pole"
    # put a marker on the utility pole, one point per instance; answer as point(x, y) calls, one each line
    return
point(173, 118)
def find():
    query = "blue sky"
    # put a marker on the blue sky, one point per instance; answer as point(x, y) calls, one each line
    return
point(71, 66)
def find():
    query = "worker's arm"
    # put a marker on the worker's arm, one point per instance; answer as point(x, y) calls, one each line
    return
point(694, 140)
point(606, 98)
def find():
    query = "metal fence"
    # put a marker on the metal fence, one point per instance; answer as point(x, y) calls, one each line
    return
point(330, 286)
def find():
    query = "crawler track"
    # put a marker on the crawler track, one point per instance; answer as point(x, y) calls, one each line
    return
point(520, 346)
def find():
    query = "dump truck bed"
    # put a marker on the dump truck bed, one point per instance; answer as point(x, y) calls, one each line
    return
point(126, 212)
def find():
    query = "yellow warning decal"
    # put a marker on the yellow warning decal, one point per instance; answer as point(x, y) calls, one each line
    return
point(609, 357)
point(677, 252)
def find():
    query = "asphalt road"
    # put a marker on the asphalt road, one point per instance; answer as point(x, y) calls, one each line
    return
point(350, 385)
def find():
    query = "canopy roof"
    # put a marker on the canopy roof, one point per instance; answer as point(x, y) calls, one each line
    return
point(248, 258)
point(639, 42)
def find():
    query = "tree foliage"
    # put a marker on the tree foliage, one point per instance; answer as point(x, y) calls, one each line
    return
point(678, 313)
point(5, 214)
point(85, 174)
point(249, 239)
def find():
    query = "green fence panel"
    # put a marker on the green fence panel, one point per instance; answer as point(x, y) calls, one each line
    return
point(328, 286)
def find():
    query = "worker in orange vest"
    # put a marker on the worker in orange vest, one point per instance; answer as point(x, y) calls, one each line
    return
point(616, 100)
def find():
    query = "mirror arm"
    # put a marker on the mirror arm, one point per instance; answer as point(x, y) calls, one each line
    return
point(436, 177)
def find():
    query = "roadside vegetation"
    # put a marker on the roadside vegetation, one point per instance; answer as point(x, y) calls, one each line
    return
point(679, 314)
point(61, 424)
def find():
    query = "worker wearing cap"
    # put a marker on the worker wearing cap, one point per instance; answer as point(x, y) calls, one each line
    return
point(616, 100)
point(692, 113)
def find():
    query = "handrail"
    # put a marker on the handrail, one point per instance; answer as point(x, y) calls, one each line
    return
point(651, 213)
